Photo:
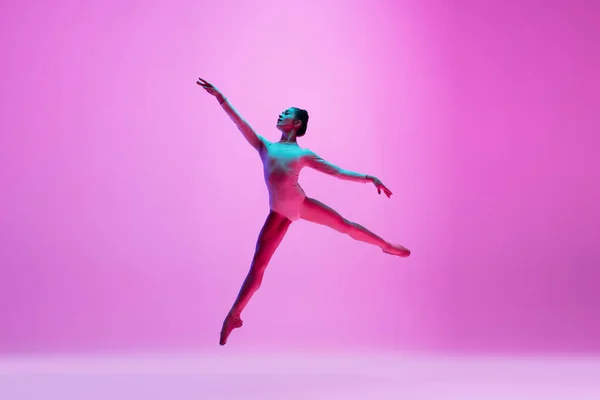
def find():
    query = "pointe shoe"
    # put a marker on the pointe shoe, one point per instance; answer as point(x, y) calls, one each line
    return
point(231, 322)
point(396, 250)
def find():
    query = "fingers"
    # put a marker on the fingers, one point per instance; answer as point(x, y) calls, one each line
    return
point(204, 83)
point(208, 88)
point(386, 191)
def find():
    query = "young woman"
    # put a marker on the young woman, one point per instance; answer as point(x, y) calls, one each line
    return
point(282, 162)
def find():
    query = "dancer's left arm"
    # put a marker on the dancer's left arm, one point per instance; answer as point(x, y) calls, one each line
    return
point(314, 161)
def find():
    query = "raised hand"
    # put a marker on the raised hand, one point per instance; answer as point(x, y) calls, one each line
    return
point(209, 87)
point(380, 186)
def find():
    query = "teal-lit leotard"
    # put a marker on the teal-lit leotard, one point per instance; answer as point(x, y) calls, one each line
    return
point(282, 163)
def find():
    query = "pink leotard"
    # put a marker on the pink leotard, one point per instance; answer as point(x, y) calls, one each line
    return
point(282, 164)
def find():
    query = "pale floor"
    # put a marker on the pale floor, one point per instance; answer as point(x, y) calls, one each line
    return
point(226, 375)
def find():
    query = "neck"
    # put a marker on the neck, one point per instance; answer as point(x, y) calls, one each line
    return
point(289, 137)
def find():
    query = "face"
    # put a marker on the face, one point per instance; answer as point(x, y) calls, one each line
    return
point(287, 120)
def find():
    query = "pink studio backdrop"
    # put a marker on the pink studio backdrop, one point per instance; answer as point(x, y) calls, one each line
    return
point(130, 203)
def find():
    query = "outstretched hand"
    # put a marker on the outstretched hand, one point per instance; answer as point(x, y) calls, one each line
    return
point(381, 187)
point(209, 87)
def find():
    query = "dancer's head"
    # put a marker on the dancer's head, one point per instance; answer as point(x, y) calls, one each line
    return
point(293, 118)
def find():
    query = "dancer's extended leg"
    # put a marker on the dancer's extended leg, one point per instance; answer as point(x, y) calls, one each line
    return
point(314, 211)
point(269, 239)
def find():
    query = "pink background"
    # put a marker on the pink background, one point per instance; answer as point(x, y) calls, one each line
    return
point(130, 204)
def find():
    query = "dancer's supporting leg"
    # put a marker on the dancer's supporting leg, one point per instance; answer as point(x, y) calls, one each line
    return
point(269, 239)
point(314, 211)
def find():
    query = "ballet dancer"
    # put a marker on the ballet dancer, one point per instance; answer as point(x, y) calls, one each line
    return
point(282, 163)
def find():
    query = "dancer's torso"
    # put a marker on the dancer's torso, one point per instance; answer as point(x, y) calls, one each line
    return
point(282, 163)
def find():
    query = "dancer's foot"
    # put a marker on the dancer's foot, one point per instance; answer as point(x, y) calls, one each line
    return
point(396, 250)
point(231, 322)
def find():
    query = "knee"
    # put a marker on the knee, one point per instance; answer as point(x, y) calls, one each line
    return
point(256, 276)
point(258, 267)
point(259, 262)
point(345, 226)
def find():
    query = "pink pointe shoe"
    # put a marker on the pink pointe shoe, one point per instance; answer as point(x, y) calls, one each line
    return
point(231, 322)
point(396, 250)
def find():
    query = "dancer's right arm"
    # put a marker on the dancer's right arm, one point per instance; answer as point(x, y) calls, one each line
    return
point(251, 136)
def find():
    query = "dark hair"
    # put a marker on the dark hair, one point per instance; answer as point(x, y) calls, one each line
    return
point(301, 115)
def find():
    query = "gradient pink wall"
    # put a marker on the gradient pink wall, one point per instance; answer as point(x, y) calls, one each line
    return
point(131, 204)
